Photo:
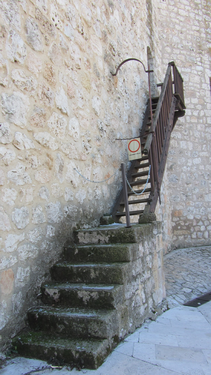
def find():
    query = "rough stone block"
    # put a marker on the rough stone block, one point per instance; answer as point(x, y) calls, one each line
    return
point(38, 216)
point(6, 135)
point(20, 217)
point(57, 123)
point(18, 176)
point(15, 107)
point(21, 141)
point(23, 82)
point(46, 140)
point(16, 48)
point(33, 35)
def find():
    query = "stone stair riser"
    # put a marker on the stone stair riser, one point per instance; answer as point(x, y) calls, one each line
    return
point(105, 236)
point(66, 325)
point(69, 352)
point(85, 274)
point(97, 254)
point(80, 297)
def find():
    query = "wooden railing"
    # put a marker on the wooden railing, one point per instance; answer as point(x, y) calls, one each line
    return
point(157, 143)
point(178, 86)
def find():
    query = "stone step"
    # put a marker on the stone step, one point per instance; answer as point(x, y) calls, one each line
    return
point(90, 273)
point(97, 253)
point(83, 295)
point(89, 354)
point(114, 233)
point(74, 322)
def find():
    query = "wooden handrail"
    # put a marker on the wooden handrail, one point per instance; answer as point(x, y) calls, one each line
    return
point(155, 145)
point(157, 112)
point(178, 85)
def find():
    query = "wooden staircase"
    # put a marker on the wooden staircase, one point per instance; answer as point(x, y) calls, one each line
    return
point(143, 190)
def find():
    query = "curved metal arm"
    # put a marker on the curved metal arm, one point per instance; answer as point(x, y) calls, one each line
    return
point(131, 59)
point(146, 71)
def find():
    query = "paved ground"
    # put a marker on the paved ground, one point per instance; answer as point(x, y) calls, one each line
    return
point(188, 274)
point(178, 342)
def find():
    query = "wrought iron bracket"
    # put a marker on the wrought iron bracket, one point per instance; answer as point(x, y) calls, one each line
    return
point(131, 59)
point(146, 71)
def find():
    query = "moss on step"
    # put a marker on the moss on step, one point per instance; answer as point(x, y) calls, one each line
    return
point(84, 353)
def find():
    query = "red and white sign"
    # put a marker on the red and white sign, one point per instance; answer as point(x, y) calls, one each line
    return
point(134, 149)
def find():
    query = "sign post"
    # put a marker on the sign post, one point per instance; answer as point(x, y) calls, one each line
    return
point(134, 149)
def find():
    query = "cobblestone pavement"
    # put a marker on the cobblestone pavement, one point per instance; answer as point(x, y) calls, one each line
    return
point(187, 274)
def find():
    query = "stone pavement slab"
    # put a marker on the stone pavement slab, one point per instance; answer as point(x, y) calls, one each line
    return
point(206, 311)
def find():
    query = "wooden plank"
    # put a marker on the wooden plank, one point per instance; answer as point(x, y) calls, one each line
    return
point(125, 195)
point(141, 166)
point(140, 174)
point(147, 190)
point(132, 213)
point(137, 201)
point(139, 182)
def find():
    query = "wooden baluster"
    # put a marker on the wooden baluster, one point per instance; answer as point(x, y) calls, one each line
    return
point(125, 196)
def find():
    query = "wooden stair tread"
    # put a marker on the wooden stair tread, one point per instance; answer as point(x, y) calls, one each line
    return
point(138, 212)
point(136, 201)
point(140, 174)
point(148, 190)
point(141, 166)
point(139, 182)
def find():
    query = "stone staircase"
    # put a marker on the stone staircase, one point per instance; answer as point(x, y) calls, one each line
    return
point(99, 292)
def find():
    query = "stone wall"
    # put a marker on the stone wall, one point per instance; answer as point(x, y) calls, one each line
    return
point(184, 31)
point(61, 109)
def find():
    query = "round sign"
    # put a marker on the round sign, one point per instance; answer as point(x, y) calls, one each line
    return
point(133, 146)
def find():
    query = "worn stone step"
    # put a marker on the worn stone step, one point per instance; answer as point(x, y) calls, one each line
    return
point(83, 295)
point(90, 273)
point(74, 322)
point(89, 354)
point(114, 233)
point(97, 253)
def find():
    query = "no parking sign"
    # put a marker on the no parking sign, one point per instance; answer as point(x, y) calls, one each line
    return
point(134, 149)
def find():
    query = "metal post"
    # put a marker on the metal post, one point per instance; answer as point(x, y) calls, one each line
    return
point(125, 195)
point(150, 97)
